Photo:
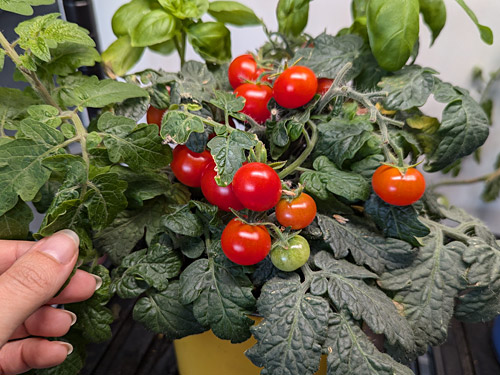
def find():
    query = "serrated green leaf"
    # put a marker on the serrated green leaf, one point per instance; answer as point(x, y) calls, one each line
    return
point(185, 8)
point(13, 106)
point(228, 102)
point(134, 108)
point(434, 12)
point(15, 223)
point(396, 221)
point(23, 7)
point(178, 126)
point(155, 27)
point(366, 247)
point(292, 16)
point(126, 18)
point(445, 92)
point(407, 88)
point(196, 82)
point(350, 351)
point(120, 56)
point(41, 133)
point(45, 113)
point(163, 313)
point(427, 289)
point(181, 220)
point(233, 12)
point(211, 40)
point(66, 58)
point(221, 294)
point(290, 337)
point(367, 166)
point(484, 31)
point(478, 305)
point(327, 178)
point(330, 54)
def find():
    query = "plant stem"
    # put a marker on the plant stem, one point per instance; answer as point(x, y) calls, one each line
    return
point(487, 177)
point(180, 46)
point(310, 143)
point(81, 134)
point(450, 232)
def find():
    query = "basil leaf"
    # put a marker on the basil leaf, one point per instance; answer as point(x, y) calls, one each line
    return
point(234, 13)
point(211, 40)
point(434, 12)
point(128, 16)
point(155, 27)
point(120, 56)
point(292, 16)
point(484, 31)
point(185, 8)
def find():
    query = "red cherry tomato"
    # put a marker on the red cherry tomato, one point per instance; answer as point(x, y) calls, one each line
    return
point(398, 189)
point(324, 85)
point(245, 244)
point(188, 166)
point(264, 78)
point(154, 115)
point(257, 186)
point(243, 68)
point(257, 97)
point(297, 213)
point(295, 87)
point(220, 196)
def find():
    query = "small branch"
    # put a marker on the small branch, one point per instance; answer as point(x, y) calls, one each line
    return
point(487, 177)
point(450, 232)
point(81, 134)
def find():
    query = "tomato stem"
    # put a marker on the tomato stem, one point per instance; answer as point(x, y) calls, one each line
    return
point(487, 177)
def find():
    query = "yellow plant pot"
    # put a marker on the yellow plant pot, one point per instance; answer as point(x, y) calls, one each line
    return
point(208, 355)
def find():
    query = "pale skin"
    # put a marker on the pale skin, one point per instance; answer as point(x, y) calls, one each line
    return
point(31, 274)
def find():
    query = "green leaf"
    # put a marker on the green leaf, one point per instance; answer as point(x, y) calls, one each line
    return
point(234, 13)
point(464, 128)
point(445, 92)
point(45, 113)
point(491, 189)
point(13, 106)
point(181, 220)
point(434, 12)
point(129, 15)
point(66, 58)
point(427, 289)
point(211, 40)
point(41, 133)
point(393, 27)
point(327, 178)
point(165, 48)
point(185, 8)
point(42, 33)
point(120, 56)
point(2, 59)
point(229, 153)
point(365, 246)
point(155, 27)
point(479, 305)
point(221, 294)
point(228, 102)
point(196, 82)
point(410, 87)
point(396, 221)
point(330, 54)
point(292, 16)
point(91, 92)
point(350, 351)
point(178, 126)
point(340, 139)
point(484, 31)
point(104, 199)
point(290, 337)
point(138, 146)
point(15, 223)
point(23, 7)
point(163, 313)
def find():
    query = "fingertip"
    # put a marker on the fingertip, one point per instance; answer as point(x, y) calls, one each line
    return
point(71, 234)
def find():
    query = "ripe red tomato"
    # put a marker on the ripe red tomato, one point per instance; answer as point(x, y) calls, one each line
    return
point(398, 189)
point(324, 85)
point(297, 213)
point(264, 78)
point(154, 115)
point(188, 166)
point(295, 87)
point(257, 186)
point(257, 97)
point(245, 244)
point(220, 196)
point(243, 68)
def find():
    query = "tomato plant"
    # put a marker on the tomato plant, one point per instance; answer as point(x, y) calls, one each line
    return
point(154, 115)
point(257, 186)
point(256, 98)
point(396, 187)
point(188, 166)
point(295, 87)
point(292, 256)
point(242, 69)
point(245, 244)
point(324, 85)
point(220, 196)
point(297, 213)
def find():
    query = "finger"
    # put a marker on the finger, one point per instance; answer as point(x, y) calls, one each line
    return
point(81, 287)
point(20, 356)
point(35, 278)
point(46, 322)
point(10, 251)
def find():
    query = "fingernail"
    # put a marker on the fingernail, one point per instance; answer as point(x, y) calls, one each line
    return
point(73, 316)
point(59, 250)
point(67, 345)
point(98, 281)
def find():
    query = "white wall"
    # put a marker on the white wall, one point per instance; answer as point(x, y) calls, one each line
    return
point(457, 50)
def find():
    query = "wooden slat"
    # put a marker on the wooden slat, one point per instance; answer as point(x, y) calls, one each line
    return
point(478, 336)
point(160, 358)
point(452, 357)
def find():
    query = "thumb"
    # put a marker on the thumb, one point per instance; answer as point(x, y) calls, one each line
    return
point(35, 278)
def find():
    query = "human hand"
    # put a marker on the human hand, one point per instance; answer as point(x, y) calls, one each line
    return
point(31, 273)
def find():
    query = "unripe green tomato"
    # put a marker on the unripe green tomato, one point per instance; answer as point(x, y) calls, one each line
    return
point(292, 258)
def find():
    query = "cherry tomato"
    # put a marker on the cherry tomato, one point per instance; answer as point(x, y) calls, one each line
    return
point(297, 213)
point(188, 166)
point(291, 258)
point(243, 68)
point(220, 196)
point(154, 115)
point(323, 85)
point(257, 186)
point(398, 189)
point(245, 244)
point(264, 78)
point(256, 99)
point(295, 87)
